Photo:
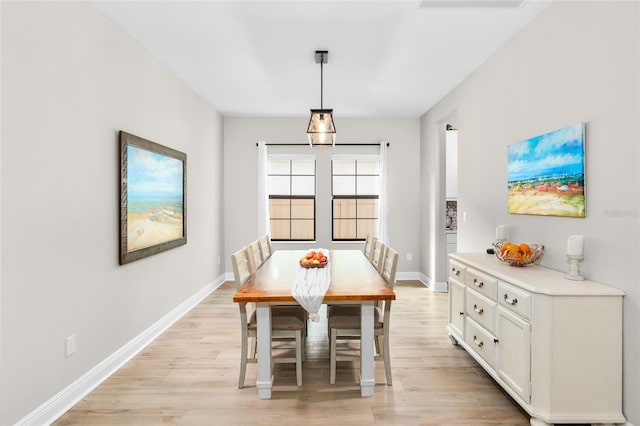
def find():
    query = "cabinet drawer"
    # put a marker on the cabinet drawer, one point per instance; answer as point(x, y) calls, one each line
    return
point(481, 341)
point(456, 270)
point(482, 283)
point(481, 310)
point(515, 299)
point(456, 308)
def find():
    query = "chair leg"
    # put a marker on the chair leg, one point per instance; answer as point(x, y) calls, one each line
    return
point(332, 350)
point(243, 361)
point(299, 351)
point(254, 347)
point(387, 358)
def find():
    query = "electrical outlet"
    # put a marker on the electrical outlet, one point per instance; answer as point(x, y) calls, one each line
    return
point(218, 260)
point(71, 345)
point(409, 257)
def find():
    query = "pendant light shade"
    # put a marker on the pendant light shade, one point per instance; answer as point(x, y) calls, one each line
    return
point(321, 130)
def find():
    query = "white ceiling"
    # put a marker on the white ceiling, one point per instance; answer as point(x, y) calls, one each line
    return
point(386, 58)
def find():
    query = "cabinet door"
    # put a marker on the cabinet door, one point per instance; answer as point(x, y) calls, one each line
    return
point(514, 352)
point(456, 307)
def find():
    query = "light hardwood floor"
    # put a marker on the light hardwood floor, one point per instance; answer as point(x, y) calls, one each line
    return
point(189, 376)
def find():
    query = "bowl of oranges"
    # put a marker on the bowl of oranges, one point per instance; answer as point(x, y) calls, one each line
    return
point(314, 259)
point(519, 254)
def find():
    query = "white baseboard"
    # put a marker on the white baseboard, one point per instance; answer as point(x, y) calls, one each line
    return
point(438, 287)
point(60, 403)
point(401, 276)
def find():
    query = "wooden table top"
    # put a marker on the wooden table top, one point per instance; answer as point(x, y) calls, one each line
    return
point(353, 278)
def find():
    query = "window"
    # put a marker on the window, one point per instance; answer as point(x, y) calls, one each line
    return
point(356, 192)
point(291, 183)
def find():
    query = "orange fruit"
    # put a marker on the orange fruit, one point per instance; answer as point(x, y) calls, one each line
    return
point(524, 247)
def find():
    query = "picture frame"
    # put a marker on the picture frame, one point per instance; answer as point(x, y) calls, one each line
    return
point(546, 174)
point(153, 198)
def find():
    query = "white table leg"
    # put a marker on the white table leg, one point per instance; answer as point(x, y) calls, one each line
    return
point(265, 377)
point(367, 380)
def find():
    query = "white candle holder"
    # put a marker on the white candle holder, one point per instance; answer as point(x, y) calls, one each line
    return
point(574, 268)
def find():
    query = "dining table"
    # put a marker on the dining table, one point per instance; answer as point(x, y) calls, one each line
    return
point(353, 280)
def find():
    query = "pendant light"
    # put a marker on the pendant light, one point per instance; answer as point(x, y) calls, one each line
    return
point(321, 130)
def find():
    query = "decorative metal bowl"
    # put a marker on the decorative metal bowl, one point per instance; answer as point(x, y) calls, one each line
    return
point(518, 254)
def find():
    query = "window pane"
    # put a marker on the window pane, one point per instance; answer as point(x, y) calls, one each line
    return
point(279, 209)
point(344, 185)
point(303, 185)
point(344, 167)
point(278, 166)
point(366, 227)
point(344, 208)
point(278, 185)
point(303, 167)
point(367, 208)
point(368, 167)
point(280, 230)
point(344, 229)
point(368, 185)
point(302, 209)
point(302, 230)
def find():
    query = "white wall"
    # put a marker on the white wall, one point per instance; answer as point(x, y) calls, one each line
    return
point(70, 81)
point(578, 62)
point(240, 137)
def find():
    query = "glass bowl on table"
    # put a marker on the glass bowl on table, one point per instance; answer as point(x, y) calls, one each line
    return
point(518, 254)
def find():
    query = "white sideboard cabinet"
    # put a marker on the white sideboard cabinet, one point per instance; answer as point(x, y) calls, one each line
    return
point(553, 344)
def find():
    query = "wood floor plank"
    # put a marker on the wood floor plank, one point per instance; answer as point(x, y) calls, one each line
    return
point(189, 375)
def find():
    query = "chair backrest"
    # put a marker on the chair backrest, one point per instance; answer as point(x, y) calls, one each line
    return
point(389, 266)
point(378, 254)
point(255, 256)
point(265, 247)
point(368, 246)
point(240, 263)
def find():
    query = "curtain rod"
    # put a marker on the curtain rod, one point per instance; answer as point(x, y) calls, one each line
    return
point(338, 144)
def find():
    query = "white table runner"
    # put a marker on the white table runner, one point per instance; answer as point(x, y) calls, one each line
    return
point(311, 285)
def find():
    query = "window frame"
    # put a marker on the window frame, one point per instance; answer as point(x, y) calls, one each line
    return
point(290, 197)
point(355, 197)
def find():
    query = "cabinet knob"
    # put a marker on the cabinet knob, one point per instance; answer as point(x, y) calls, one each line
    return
point(478, 284)
point(479, 343)
point(461, 313)
point(510, 301)
point(495, 340)
point(480, 311)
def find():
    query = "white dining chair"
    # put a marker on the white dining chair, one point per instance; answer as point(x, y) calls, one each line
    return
point(344, 324)
point(287, 323)
point(255, 256)
point(265, 247)
point(368, 246)
point(377, 254)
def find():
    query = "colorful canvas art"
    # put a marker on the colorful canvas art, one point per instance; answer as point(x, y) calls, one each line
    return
point(546, 174)
point(152, 198)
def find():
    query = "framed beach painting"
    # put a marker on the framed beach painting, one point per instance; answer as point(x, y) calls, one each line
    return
point(546, 174)
point(152, 198)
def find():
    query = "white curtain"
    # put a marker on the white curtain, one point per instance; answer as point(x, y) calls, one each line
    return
point(383, 232)
point(263, 201)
